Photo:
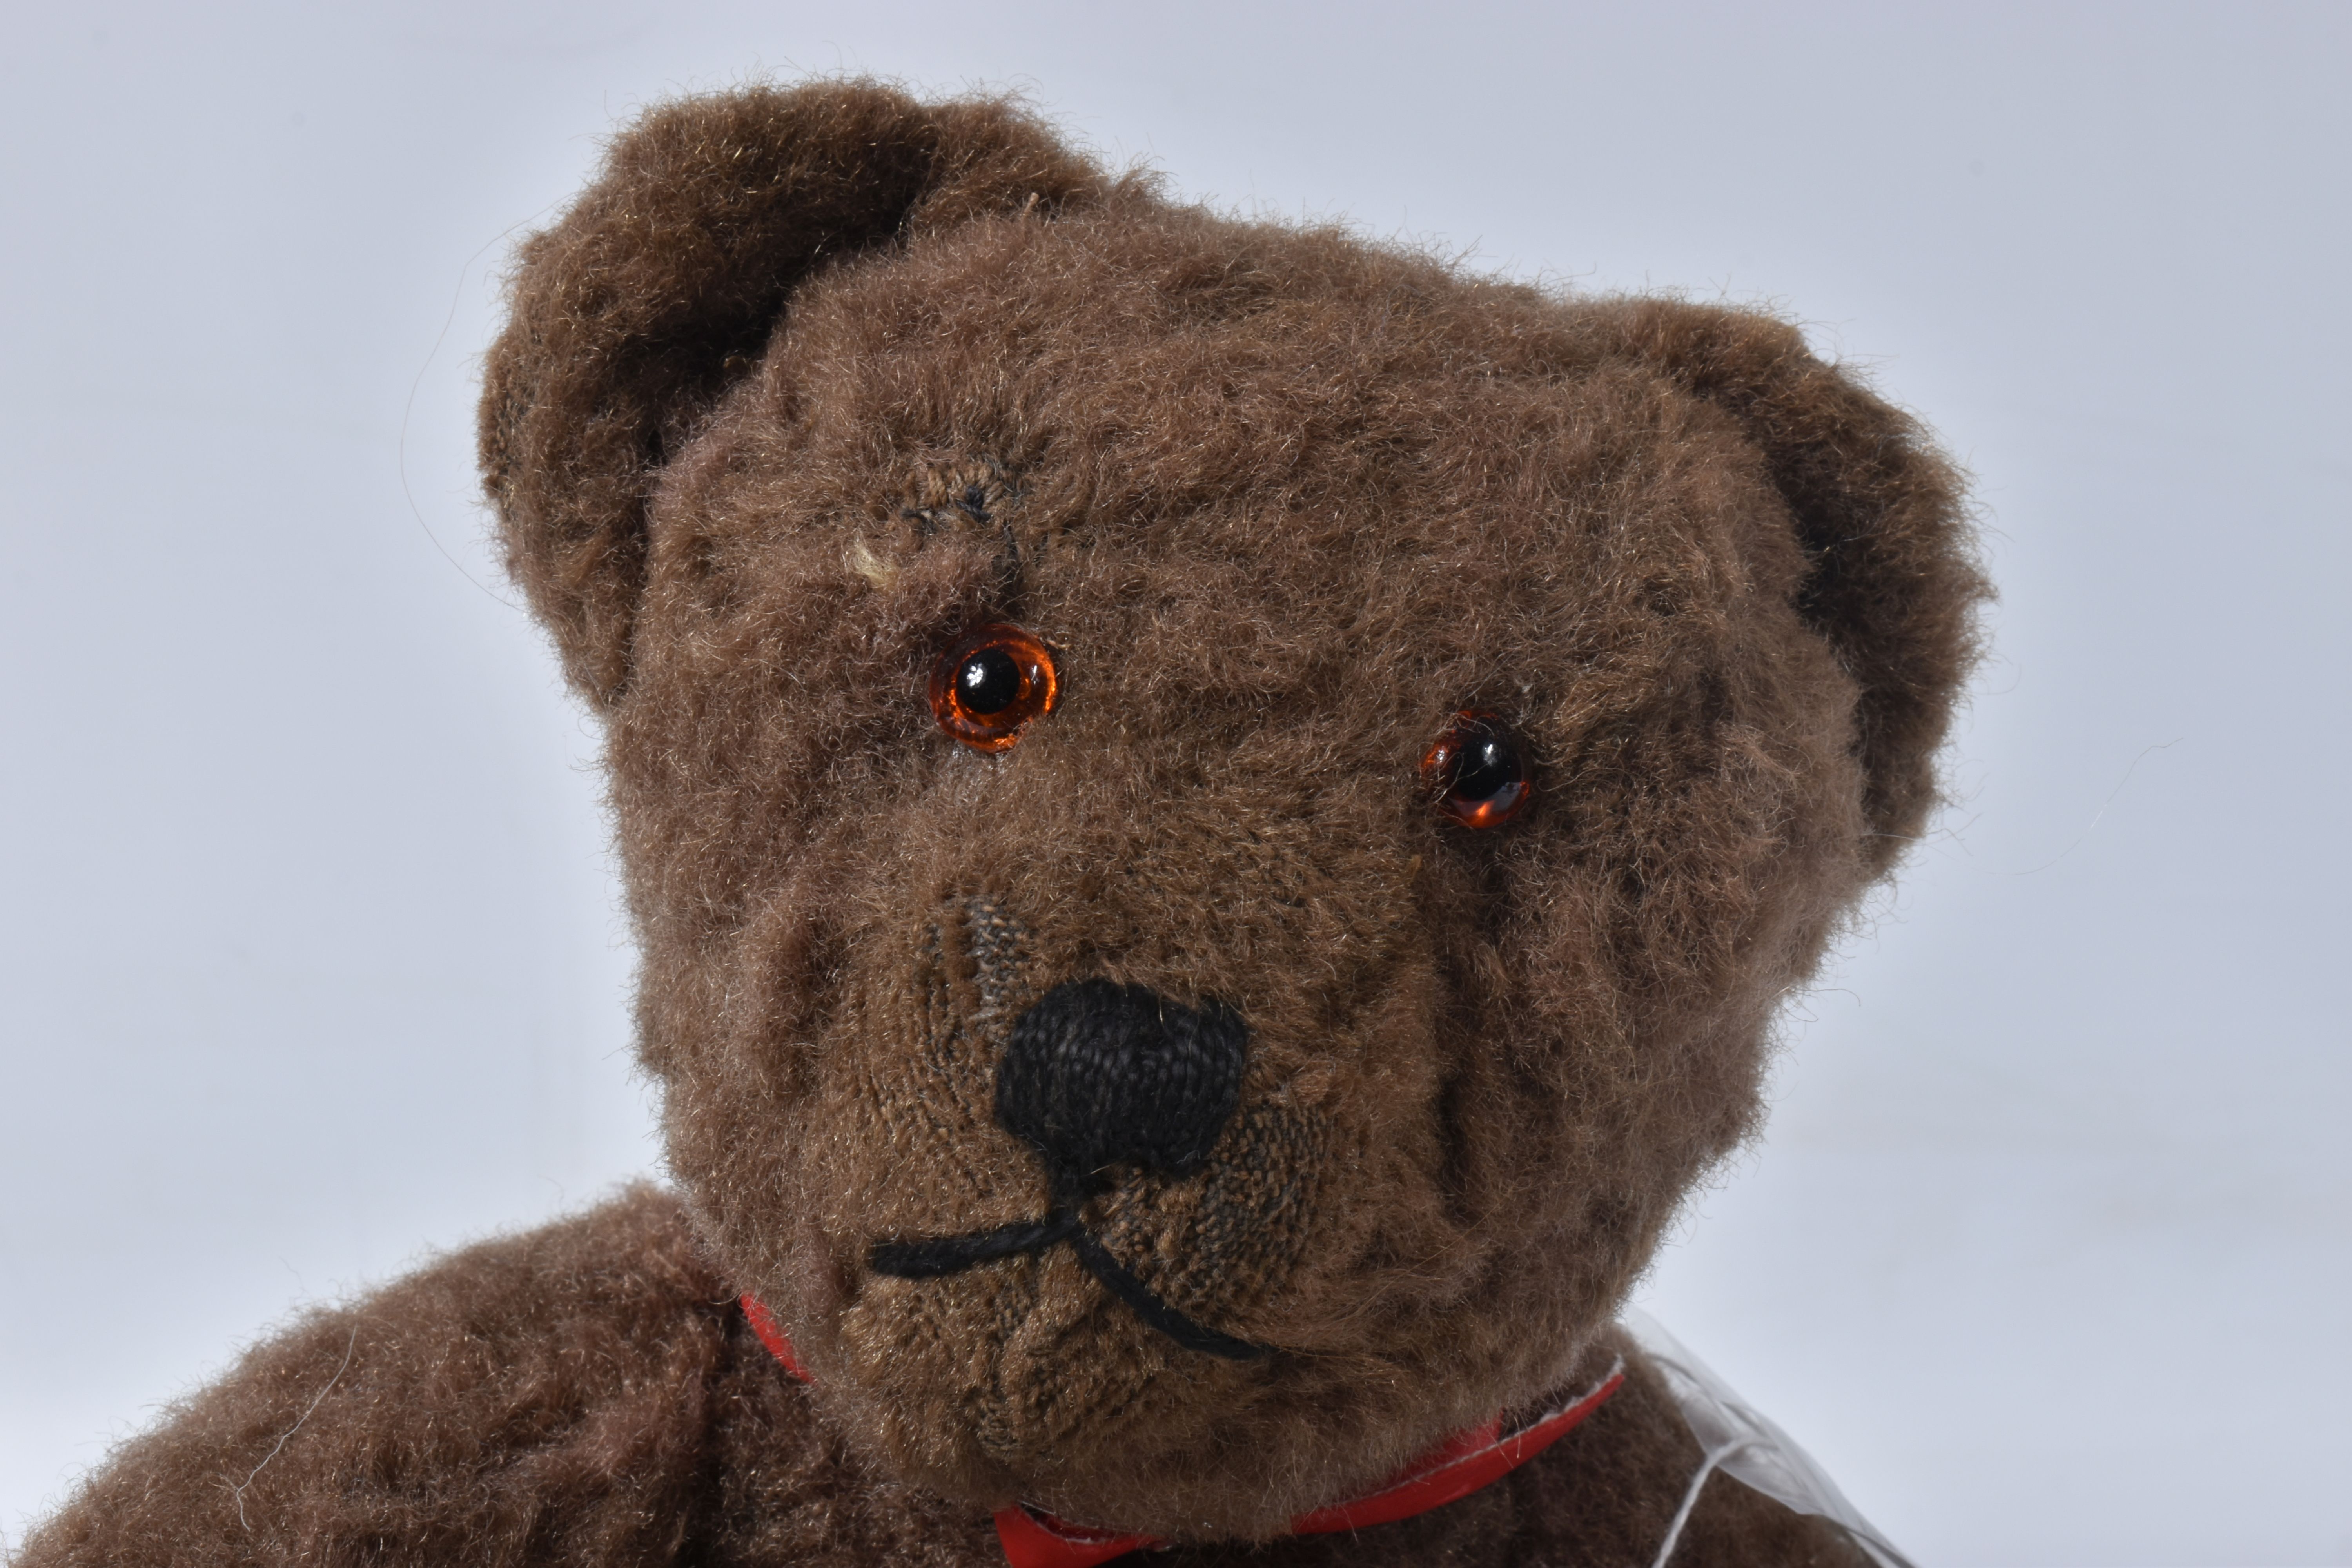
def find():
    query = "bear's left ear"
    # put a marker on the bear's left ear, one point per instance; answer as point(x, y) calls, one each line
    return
point(1894, 585)
point(659, 288)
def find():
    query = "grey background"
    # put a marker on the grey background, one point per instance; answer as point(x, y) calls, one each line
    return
point(310, 955)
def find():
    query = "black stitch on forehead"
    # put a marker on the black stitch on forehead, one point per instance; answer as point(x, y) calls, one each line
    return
point(973, 493)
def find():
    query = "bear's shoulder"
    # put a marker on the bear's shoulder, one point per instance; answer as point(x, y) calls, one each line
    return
point(1606, 1495)
point(584, 1393)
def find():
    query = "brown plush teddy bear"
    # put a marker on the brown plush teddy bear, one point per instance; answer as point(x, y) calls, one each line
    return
point(1217, 814)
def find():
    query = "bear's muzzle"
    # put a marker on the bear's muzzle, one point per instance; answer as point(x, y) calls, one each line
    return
point(1098, 1074)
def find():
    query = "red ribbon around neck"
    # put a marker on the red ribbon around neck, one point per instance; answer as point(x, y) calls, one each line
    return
point(1454, 1469)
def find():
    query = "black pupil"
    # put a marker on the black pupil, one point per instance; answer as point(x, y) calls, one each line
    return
point(1488, 766)
point(988, 681)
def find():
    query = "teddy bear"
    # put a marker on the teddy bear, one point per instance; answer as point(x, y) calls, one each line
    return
point(1217, 814)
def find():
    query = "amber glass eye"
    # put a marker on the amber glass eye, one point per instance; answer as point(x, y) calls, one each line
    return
point(988, 686)
point(1474, 772)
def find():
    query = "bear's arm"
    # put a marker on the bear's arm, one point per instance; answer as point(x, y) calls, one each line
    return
point(587, 1392)
point(542, 1388)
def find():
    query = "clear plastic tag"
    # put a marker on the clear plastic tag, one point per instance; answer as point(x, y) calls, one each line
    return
point(1744, 1444)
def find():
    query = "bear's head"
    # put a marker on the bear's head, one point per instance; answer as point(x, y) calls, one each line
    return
point(1217, 813)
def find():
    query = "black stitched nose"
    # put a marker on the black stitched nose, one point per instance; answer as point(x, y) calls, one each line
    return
point(1101, 1075)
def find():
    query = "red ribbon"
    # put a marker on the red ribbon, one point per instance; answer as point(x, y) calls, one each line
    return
point(763, 1323)
point(1447, 1473)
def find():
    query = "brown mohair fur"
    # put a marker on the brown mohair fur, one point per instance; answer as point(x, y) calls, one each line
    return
point(809, 383)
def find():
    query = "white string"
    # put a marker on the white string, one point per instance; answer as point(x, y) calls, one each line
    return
point(1690, 1497)
point(237, 1490)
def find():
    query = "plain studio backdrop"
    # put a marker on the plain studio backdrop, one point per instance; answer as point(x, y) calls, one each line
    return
point(311, 960)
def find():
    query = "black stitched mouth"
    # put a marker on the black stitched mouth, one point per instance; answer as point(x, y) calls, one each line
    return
point(944, 1256)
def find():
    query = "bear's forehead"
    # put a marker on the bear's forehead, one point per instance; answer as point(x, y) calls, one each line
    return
point(1190, 360)
point(1301, 427)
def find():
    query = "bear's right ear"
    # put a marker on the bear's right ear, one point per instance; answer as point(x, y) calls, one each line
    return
point(660, 287)
point(1893, 586)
